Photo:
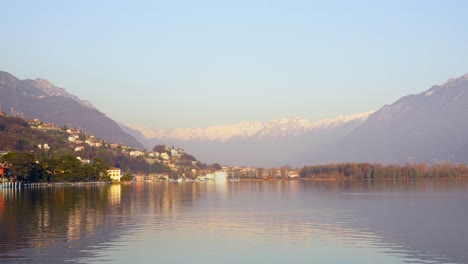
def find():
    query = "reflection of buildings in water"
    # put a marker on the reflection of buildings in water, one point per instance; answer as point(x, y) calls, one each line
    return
point(216, 189)
point(85, 215)
point(75, 222)
point(220, 180)
point(171, 198)
point(114, 195)
point(260, 186)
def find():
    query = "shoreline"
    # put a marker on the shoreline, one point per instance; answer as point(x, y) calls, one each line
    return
point(19, 185)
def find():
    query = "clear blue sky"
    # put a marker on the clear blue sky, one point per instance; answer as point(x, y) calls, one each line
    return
point(199, 63)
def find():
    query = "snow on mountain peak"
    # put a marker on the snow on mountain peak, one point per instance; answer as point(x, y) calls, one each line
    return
point(282, 127)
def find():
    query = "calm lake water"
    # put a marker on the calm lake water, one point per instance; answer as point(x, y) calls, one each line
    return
point(423, 221)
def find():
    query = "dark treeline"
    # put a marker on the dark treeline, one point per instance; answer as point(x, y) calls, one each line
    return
point(378, 171)
point(67, 168)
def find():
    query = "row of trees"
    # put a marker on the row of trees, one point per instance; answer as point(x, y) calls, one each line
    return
point(67, 168)
point(379, 171)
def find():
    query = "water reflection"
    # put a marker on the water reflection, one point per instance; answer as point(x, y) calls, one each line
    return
point(326, 221)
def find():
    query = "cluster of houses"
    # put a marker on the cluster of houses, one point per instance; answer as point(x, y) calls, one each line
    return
point(224, 174)
point(75, 136)
point(80, 140)
point(218, 176)
point(166, 155)
point(39, 125)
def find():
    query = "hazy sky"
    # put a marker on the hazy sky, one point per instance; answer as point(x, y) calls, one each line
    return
point(199, 63)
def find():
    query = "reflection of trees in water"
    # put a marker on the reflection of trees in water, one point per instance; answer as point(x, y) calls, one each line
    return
point(36, 218)
point(73, 220)
point(39, 218)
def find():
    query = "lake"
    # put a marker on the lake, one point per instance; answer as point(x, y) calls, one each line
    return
point(413, 221)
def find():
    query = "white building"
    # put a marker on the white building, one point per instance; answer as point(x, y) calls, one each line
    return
point(136, 153)
point(80, 148)
point(164, 155)
point(114, 173)
point(153, 154)
point(220, 175)
point(174, 153)
point(210, 176)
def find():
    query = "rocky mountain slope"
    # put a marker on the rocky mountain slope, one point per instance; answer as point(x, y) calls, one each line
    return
point(428, 127)
point(40, 99)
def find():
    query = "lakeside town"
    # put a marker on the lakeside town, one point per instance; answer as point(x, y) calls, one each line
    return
point(44, 153)
point(163, 163)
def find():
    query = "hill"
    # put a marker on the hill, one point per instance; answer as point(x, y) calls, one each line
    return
point(32, 142)
point(429, 127)
point(40, 99)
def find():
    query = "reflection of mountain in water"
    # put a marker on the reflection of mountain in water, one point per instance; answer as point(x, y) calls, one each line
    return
point(412, 221)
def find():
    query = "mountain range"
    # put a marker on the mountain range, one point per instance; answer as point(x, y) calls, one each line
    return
point(427, 127)
point(40, 99)
point(431, 127)
point(255, 143)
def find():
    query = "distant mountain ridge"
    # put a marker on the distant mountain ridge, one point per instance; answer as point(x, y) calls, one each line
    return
point(283, 127)
point(41, 99)
point(268, 143)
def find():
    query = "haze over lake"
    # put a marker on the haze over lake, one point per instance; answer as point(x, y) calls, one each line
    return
point(404, 221)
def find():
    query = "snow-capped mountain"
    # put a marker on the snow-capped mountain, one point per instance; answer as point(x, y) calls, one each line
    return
point(268, 143)
point(274, 129)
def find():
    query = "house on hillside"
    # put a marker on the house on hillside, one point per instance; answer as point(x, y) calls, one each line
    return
point(164, 156)
point(93, 143)
point(153, 154)
point(114, 145)
point(79, 148)
point(174, 153)
point(114, 173)
point(136, 153)
point(48, 127)
point(73, 138)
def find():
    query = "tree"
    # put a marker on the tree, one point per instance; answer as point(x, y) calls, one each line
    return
point(284, 171)
point(25, 166)
point(216, 166)
point(159, 148)
point(126, 177)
